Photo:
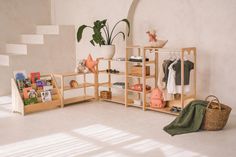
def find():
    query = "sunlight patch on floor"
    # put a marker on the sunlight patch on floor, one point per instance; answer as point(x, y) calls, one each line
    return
point(106, 134)
point(109, 154)
point(4, 114)
point(56, 145)
point(5, 100)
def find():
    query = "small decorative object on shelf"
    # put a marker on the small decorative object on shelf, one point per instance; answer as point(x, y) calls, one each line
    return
point(91, 64)
point(81, 67)
point(137, 59)
point(139, 87)
point(74, 84)
point(153, 41)
point(114, 71)
point(105, 94)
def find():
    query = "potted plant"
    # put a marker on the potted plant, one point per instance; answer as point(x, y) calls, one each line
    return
point(103, 37)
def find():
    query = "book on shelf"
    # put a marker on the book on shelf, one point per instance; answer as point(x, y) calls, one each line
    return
point(46, 96)
point(34, 76)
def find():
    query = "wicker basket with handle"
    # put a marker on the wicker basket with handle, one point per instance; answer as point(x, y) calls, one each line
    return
point(216, 115)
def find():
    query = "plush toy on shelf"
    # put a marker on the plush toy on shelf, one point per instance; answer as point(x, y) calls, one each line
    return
point(81, 67)
point(153, 40)
point(152, 36)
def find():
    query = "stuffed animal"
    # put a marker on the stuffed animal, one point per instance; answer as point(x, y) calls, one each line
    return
point(157, 100)
point(81, 67)
point(152, 36)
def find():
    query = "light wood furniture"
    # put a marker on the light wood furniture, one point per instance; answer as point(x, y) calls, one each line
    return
point(18, 104)
point(115, 98)
point(142, 51)
point(84, 86)
point(142, 95)
point(126, 95)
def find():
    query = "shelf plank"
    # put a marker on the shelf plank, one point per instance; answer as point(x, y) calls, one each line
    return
point(147, 62)
point(110, 86)
point(77, 99)
point(120, 73)
point(113, 60)
point(70, 74)
point(134, 105)
point(42, 106)
point(137, 76)
point(163, 110)
point(134, 91)
point(115, 99)
point(79, 86)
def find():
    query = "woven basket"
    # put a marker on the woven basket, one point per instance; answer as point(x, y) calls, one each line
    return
point(216, 115)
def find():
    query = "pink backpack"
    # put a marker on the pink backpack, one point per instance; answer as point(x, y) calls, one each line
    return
point(157, 100)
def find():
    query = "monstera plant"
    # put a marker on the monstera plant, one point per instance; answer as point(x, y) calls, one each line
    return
point(103, 36)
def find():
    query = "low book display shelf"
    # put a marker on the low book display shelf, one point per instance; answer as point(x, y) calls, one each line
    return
point(19, 106)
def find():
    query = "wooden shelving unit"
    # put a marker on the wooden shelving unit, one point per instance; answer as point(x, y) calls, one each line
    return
point(142, 95)
point(60, 88)
point(84, 86)
point(142, 51)
point(120, 99)
point(18, 104)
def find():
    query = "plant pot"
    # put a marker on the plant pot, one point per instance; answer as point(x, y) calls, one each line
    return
point(107, 51)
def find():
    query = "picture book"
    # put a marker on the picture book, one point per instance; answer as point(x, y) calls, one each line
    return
point(48, 88)
point(40, 83)
point(34, 76)
point(46, 96)
point(20, 75)
point(26, 91)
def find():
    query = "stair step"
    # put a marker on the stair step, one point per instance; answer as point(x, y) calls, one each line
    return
point(47, 29)
point(16, 48)
point(4, 60)
point(32, 39)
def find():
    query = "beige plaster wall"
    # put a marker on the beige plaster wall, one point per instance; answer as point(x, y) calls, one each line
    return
point(21, 16)
point(208, 25)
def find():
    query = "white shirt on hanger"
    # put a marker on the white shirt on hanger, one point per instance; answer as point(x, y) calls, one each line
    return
point(171, 86)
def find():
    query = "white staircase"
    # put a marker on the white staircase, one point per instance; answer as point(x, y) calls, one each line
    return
point(47, 29)
point(50, 49)
point(32, 39)
point(20, 49)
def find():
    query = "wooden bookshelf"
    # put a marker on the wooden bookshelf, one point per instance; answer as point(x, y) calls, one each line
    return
point(63, 88)
point(18, 102)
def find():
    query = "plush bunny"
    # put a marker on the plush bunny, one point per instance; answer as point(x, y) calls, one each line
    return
point(81, 67)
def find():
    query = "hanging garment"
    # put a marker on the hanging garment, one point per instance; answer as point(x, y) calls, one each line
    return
point(162, 86)
point(188, 66)
point(171, 86)
point(165, 67)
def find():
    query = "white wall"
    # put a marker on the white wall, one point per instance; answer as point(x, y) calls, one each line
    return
point(208, 25)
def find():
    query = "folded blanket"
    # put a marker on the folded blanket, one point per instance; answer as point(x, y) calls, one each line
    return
point(189, 120)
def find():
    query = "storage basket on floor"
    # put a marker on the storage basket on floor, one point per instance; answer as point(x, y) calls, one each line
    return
point(216, 115)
